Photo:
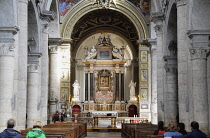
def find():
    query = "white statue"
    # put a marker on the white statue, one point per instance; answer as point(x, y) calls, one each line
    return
point(76, 88)
point(132, 86)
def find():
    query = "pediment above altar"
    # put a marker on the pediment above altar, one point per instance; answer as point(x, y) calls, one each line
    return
point(104, 50)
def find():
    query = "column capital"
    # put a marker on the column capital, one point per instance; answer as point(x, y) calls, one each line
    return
point(158, 18)
point(181, 3)
point(53, 49)
point(7, 49)
point(153, 44)
point(33, 67)
point(199, 52)
point(171, 64)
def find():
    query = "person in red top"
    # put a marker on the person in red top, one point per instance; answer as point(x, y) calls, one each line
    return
point(160, 130)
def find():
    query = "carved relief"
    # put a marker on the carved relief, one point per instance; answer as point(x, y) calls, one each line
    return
point(144, 93)
point(7, 49)
point(104, 3)
point(33, 67)
point(31, 45)
point(199, 53)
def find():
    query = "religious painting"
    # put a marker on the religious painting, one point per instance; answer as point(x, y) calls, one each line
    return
point(64, 94)
point(66, 5)
point(144, 93)
point(144, 56)
point(144, 75)
point(104, 80)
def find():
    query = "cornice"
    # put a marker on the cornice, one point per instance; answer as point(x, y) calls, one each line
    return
point(12, 29)
point(191, 33)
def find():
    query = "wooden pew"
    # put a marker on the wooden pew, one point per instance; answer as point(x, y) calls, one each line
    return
point(80, 132)
point(63, 130)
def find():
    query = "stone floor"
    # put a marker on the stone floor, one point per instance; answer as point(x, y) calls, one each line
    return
point(103, 135)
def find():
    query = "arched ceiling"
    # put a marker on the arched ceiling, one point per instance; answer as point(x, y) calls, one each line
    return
point(104, 20)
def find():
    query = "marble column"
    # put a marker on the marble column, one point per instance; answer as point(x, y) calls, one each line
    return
point(44, 75)
point(6, 83)
point(117, 96)
point(32, 95)
point(171, 94)
point(199, 86)
point(46, 17)
point(54, 80)
point(158, 20)
point(122, 87)
point(86, 86)
point(91, 87)
point(182, 59)
point(22, 49)
point(153, 47)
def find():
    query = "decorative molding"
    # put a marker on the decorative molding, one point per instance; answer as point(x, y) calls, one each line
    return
point(7, 49)
point(12, 29)
point(181, 3)
point(33, 67)
point(55, 41)
point(199, 52)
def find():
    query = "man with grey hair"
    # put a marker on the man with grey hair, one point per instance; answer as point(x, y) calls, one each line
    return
point(9, 132)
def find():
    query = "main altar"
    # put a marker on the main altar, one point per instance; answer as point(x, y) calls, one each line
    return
point(104, 78)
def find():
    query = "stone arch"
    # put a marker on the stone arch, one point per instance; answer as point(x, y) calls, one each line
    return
point(84, 7)
point(171, 24)
point(33, 28)
point(54, 32)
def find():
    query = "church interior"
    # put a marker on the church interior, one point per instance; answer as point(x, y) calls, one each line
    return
point(143, 60)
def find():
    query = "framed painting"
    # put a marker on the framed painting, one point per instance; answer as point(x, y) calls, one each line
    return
point(104, 80)
point(144, 75)
point(144, 56)
point(144, 93)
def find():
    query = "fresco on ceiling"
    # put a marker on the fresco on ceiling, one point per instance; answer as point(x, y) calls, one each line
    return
point(142, 4)
point(66, 5)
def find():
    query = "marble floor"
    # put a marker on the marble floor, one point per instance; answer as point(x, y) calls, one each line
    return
point(103, 135)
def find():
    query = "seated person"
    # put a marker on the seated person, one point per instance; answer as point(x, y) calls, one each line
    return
point(57, 117)
point(196, 133)
point(171, 131)
point(36, 131)
point(160, 130)
point(181, 129)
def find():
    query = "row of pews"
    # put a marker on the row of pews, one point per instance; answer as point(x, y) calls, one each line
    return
point(136, 130)
point(62, 130)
